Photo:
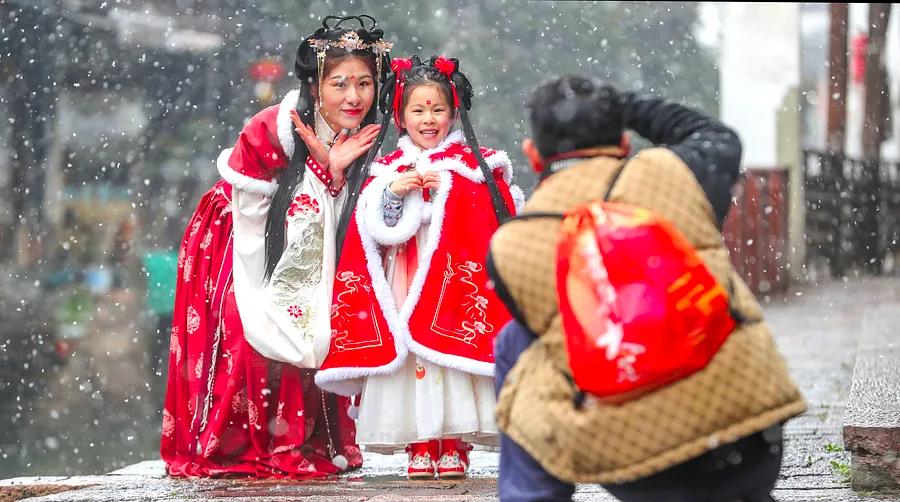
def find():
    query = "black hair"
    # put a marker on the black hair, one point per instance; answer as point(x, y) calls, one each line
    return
point(306, 70)
point(571, 113)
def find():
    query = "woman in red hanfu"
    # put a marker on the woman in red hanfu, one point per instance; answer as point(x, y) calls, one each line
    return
point(412, 278)
point(256, 268)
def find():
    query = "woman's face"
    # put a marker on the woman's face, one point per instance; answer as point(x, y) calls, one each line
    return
point(427, 116)
point(347, 94)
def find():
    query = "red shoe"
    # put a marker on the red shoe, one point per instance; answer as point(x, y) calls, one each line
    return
point(454, 462)
point(422, 460)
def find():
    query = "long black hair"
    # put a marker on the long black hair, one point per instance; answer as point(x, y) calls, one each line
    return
point(306, 70)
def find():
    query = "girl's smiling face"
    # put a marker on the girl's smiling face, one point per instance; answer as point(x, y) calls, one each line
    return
point(427, 116)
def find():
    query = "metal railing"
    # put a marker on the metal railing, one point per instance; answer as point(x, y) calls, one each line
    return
point(852, 213)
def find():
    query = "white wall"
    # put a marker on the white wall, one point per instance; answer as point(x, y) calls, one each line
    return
point(759, 65)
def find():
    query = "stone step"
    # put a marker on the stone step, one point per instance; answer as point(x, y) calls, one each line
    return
point(872, 421)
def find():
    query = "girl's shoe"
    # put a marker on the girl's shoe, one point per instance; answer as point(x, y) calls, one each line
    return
point(422, 460)
point(454, 461)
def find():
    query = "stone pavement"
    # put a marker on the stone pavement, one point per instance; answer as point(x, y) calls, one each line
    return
point(817, 328)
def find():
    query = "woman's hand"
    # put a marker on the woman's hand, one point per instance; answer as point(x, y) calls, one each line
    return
point(407, 182)
point(316, 148)
point(431, 180)
point(345, 150)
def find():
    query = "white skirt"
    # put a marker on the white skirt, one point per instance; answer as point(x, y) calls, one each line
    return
point(425, 401)
point(421, 400)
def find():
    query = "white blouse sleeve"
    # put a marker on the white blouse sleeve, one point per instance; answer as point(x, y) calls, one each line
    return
point(288, 317)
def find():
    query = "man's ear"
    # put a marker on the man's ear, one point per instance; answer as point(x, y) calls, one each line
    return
point(625, 145)
point(531, 153)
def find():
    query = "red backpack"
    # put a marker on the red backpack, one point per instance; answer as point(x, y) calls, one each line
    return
point(639, 308)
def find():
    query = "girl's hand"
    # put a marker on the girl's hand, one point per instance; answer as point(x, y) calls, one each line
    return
point(345, 150)
point(431, 180)
point(316, 148)
point(407, 182)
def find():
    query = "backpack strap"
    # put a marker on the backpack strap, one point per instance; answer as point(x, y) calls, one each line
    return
point(499, 287)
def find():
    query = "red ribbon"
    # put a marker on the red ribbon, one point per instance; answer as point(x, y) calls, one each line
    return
point(399, 66)
point(447, 67)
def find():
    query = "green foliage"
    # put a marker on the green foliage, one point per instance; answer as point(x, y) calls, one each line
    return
point(842, 469)
point(831, 447)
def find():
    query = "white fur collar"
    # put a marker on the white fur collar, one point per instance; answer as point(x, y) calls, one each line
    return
point(283, 122)
point(413, 154)
point(409, 148)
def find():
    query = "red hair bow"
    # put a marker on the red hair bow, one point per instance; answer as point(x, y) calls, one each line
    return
point(399, 66)
point(447, 67)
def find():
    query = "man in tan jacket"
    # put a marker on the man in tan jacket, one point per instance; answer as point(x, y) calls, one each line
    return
point(714, 435)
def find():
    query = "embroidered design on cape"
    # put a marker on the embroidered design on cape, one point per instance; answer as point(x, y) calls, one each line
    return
point(341, 311)
point(475, 305)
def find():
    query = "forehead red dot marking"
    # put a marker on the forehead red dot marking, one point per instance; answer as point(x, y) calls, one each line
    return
point(427, 101)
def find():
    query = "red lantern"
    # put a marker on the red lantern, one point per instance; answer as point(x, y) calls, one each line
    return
point(267, 70)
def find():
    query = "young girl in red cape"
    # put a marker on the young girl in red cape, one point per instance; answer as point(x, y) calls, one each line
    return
point(413, 314)
point(255, 272)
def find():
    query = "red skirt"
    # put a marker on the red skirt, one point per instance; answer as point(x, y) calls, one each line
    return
point(229, 410)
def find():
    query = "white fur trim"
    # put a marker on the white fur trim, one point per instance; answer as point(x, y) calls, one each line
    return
point(339, 381)
point(409, 148)
point(412, 154)
point(500, 160)
point(283, 122)
point(410, 218)
point(518, 197)
point(242, 181)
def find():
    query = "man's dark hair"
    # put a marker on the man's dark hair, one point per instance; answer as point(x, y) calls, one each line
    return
point(571, 113)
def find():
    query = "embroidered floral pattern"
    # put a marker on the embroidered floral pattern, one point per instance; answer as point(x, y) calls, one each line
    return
point(303, 203)
point(298, 274)
point(193, 320)
point(207, 240)
point(229, 361)
point(168, 424)
point(284, 449)
point(175, 347)
point(198, 368)
point(239, 403)
point(188, 269)
point(211, 446)
point(253, 414)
